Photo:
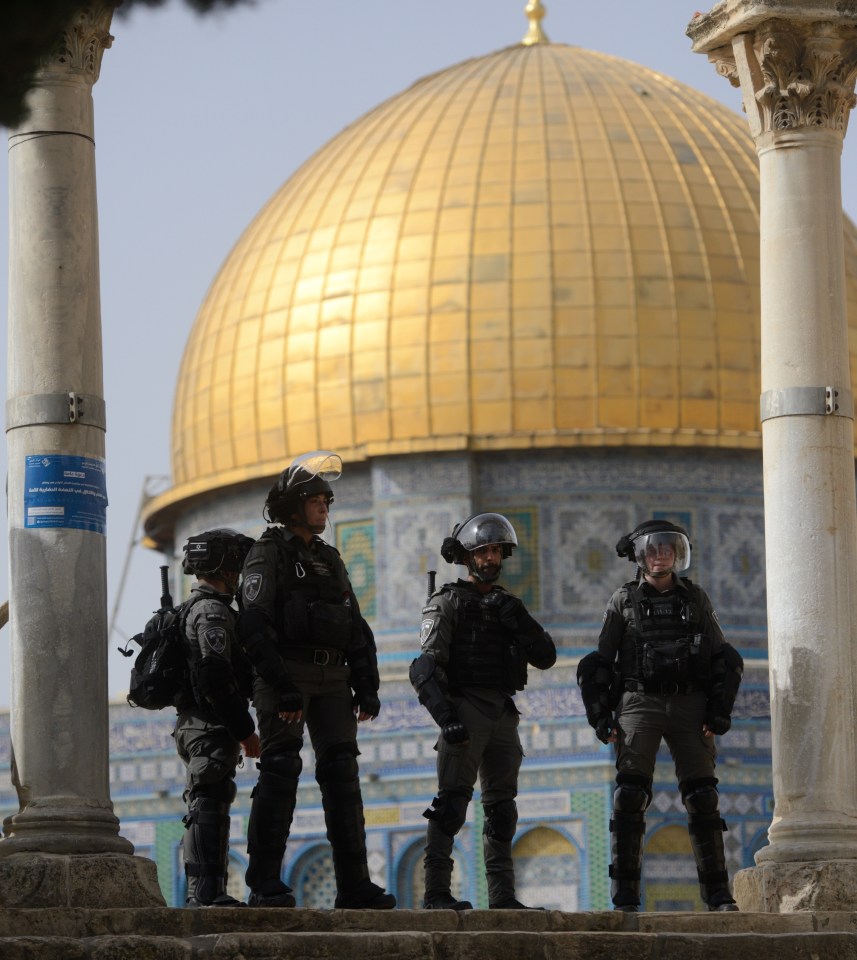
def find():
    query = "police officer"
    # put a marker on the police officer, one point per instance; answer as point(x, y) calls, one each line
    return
point(310, 647)
point(477, 640)
point(214, 724)
point(676, 678)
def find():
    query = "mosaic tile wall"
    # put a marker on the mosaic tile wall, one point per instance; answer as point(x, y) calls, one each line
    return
point(569, 508)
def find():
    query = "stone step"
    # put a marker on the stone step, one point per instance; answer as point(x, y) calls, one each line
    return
point(252, 934)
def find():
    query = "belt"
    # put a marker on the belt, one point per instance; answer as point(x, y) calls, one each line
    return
point(320, 656)
point(661, 689)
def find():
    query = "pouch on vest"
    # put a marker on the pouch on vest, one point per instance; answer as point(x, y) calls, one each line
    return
point(666, 663)
point(515, 667)
point(330, 624)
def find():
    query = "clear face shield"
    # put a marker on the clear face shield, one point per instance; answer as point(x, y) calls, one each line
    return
point(658, 554)
point(321, 464)
point(485, 529)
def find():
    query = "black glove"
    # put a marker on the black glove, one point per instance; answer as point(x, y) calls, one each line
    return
point(291, 699)
point(604, 727)
point(454, 732)
point(718, 724)
point(367, 701)
point(509, 613)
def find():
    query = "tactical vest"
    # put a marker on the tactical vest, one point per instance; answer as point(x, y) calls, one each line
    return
point(242, 669)
point(483, 653)
point(663, 646)
point(312, 606)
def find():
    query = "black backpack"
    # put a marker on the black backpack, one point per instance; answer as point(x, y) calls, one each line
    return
point(161, 668)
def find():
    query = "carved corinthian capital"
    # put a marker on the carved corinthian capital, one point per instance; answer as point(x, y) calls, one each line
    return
point(80, 48)
point(808, 75)
point(793, 74)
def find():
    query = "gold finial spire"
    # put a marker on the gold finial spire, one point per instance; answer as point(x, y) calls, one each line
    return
point(535, 11)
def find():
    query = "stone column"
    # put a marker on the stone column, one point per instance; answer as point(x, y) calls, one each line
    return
point(796, 71)
point(63, 846)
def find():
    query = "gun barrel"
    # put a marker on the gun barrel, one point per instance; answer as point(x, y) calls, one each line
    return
point(166, 596)
point(431, 581)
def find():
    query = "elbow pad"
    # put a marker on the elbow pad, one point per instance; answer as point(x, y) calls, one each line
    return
point(727, 672)
point(216, 684)
point(259, 641)
point(429, 691)
point(541, 652)
point(594, 677)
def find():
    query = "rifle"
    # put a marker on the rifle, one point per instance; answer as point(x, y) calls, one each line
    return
point(431, 580)
point(166, 606)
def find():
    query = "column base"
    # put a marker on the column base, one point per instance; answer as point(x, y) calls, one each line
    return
point(789, 887)
point(95, 881)
point(64, 825)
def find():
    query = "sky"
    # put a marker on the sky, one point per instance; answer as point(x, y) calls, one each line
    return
point(199, 121)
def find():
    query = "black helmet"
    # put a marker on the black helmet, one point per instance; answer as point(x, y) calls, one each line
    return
point(216, 550)
point(478, 531)
point(643, 542)
point(306, 476)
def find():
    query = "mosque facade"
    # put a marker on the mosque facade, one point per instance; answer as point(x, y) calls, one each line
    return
point(528, 284)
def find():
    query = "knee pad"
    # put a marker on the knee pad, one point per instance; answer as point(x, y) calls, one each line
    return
point(501, 820)
point(285, 765)
point(449, 811)
point(632, 794)
point(338, 764)
point(278, 775)
point(203, 810)
point(220, 792)
point(700, 797)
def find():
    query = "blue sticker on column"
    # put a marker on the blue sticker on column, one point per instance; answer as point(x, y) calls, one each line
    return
point(65, 491)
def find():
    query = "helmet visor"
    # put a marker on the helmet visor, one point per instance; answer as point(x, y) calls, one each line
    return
point(484, 529)
point(663, 552)
point(320, 463)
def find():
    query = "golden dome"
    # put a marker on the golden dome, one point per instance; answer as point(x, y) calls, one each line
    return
point(542, 247)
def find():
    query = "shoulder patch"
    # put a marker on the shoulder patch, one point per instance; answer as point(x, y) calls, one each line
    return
point(431, 608)
point(426, 630)
point(252, 586)
point(215, 637)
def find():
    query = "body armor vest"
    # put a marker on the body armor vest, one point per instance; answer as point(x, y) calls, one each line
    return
point(663, 645)
point(312, 607)
point(483, 653)
point(242, 669)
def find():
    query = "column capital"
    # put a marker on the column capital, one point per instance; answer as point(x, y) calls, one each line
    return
point(796, 67)
point(80, 48)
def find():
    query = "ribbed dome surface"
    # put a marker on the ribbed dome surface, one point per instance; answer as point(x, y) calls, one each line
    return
point(541, 247)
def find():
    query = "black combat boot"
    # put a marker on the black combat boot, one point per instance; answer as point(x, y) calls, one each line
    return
point(343, 816)
point(206, 849)
point(706, 828)
point(438, 871)
point(501, 821)
point(271, 815)
point(445, 901)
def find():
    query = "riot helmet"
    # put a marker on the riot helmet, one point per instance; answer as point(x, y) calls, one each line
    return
point(653, 542)
point(307, 476)
point(480, 530)
point(219, 551)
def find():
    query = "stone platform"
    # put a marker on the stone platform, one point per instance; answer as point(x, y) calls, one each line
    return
point(252, 934)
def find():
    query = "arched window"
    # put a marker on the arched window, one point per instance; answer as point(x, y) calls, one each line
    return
point(669, 871)
point(410, 883)
point(312, 878)
point(547, 870)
